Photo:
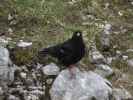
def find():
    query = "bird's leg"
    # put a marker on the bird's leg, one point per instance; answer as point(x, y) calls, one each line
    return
point(70, 68)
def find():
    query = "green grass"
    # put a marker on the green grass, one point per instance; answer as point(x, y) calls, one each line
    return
point(48, 22)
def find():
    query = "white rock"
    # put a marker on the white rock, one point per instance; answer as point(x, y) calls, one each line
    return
point(121, 94)
point(37, 92)
point(3, 41)
point(107, 27)
point(32, 97)
point(130, 64)
point(10, 74)
point(82, 86)
point(109, 60)
point(129, 50)
point(120, 13)
point(10, 31)
point(125, 57)
point(4, 57)
point(103, 70)
point(12, 97)
point(10, 17)
point(107, 5)
point(132, 3)
point(96, 57)
point(24, 44)
point(51, 69)
point(6, 71)
point(118, 52)
point(23, 75)
point(1, 91)
point(72, 2)
point(105, 36)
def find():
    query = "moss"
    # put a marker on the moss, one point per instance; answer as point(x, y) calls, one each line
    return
point(121, 65)
point(22, 56)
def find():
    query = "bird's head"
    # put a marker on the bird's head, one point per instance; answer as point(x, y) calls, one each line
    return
point(77, 34)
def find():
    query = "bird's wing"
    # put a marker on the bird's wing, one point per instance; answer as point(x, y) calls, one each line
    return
point(67, 48)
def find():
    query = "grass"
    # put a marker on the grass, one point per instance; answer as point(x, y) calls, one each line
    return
point(47, 23)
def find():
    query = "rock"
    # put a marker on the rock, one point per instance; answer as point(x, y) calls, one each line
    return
point(105, 40)
point(124, 57)
point(51, 69)
point(10, 30)
point(37, 92)
point(121, 94)
point(12, 97)
point(107, 27)
point(72, 2)
point(105, 37)
point(4, 56)
point(3, 41)
point(104, 70)
point(132, 3)
point(129, 50)
point(130, 64)
point(24, 44)
point(10, 17)
point(83, 86)
point(109, 60)
point(23, 75)
point(1, 91)
point(11, 71)
point(49, 81)
point(120, 13)
point(96, 57)
point(107, 5)
point(31, 97)
point(6, 71)
point(33, 94)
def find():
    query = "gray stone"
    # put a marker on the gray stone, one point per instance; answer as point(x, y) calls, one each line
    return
point(4, 56)
point(96, 57)
point(23, 44)
point(82, 86)
point(1, 91)
point(124, 57)
point(3, 41)
point(121, 94)
point(104, 70)
point(49, 81)
point(109, 60)
point(105, 39)
point(129, 50)
point(51, 69)
point(12, 97)
point(6, 71)
point(23, 75)
point(130, 62)
point(105, 36)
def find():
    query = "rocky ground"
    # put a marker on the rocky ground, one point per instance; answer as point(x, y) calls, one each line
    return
point(105, 73)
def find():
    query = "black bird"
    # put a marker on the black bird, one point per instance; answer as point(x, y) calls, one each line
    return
point(69, 52)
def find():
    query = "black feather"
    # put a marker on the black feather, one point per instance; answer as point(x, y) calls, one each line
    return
point(69, 52)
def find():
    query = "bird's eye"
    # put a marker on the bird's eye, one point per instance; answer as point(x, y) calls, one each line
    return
point(78, 34)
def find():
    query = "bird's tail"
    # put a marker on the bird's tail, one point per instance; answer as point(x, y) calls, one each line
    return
point(44, 51)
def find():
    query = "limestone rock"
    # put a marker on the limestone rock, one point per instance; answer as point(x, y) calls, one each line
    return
point(51, 69)
point(82, 86)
